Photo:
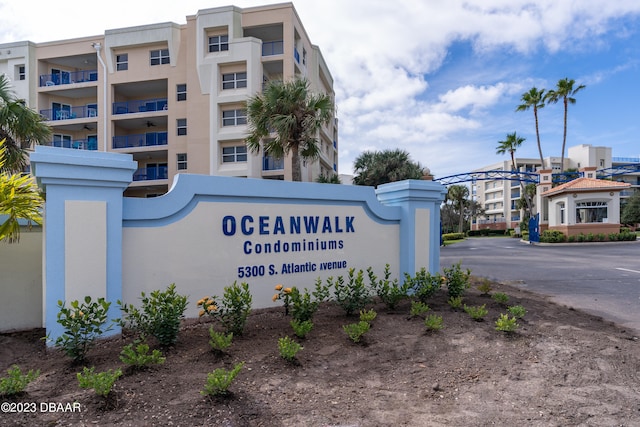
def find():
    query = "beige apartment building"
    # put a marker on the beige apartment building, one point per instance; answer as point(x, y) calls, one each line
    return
point(498, 197)
point(172, 95)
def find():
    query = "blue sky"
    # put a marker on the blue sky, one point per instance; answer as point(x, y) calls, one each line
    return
point(440, 79)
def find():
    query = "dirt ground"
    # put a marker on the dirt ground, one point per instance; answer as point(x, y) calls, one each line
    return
point(561, 368)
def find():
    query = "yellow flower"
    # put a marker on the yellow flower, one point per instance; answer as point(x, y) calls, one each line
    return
point(201, 313)
point(212, 307)
point(278, 287)
point(80, 314)
point(287, 290)
point(201, 301)
point(275, 297)
point(210, 301)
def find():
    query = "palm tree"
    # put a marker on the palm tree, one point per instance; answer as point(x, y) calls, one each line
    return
point(534, 99)
point(458, 195)
point(510, 145)
point(19, 199)
point(285, 119)
point(565, 91)
point(380, 167)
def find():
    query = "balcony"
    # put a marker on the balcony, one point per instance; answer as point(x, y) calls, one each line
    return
point(150, 173)
point(76, 144)
point(68, 77)
point(68, 114)
point(140, 106)
point(272, 164)
point(272, 48)
point(149, 139)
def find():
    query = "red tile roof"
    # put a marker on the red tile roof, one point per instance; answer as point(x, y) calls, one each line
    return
point(587, 185)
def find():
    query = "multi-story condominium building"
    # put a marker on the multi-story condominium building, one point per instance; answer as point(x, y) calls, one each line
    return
point(173, 95)
point(498, 197)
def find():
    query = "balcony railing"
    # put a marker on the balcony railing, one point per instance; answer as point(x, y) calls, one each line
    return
point(140, 106)
point(272, 164)
point(296, 55)
point(272, 48)
point(626, 159)
point(148, 139)
point(68, 77)
point(77, 144)
point(150, 173)
point(73, 113)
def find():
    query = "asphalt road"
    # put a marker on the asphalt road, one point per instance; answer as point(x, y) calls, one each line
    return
point(598, 278)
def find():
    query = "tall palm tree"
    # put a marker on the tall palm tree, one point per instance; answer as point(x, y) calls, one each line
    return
point(285, 119)
point(20, 126)
point(564, 90)
point(510, 145)
point(534, 99)
point(380, 167)
point(458, 195)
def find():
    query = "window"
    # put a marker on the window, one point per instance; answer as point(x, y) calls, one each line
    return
point(122, 62)
point(160, 56)
point(234, 154)
point(22, 72)
point(234, 117)
point(304, 57)
point(234, 80)
point(591, 212)
point(181, 161)
point(218, 43)
point(562, 213)
point(181, 125)
point(63, 141)
point(181, 92)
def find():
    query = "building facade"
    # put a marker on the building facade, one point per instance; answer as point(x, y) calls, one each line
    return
point(173, 95)
point(499, 197)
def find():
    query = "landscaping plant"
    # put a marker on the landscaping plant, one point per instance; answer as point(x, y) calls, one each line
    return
point(219, 380)
point(159, 316)
point(288, 348)
point(418, 308)
point(455, 302)
point(506, 323)
point(355, 331)
point(477, 313)
point(83, 324)
point(389, 291)
point(137, 355)
point(301, 329)
point(500, 298)
point(368, 315)
point(457, 280)
point(218, 341)
point(433, 322)
point(100, 382)
point(16, 382)
point(517, 311)
point(354, 295)
point(232, 310)
point(485, 287)
point(423, 285)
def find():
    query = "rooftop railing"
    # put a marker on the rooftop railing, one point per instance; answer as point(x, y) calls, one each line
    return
point(148, 139)
point(68, 77)
point(140, 106)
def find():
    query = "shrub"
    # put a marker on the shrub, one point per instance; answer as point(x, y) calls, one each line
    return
point(457, 280)
point(433, 322)
point(485, 287)
point(16, 382)
point(517, 311)
point(219, 380)
point(506, 323)
point(355, 331)
point(452, 236)
point(83, 324)
point(423, 285)
point(477, 313)
point(218, 341)
point(354, 295)
point(389, 291)
point(455, 302)
point(288, 348)
point(138, 357)
point(368, 315)
point(500, 298)
point(100, 382)
point(233, 309)
point(301, 329)
point(418, 308)
point(159, 316)
point(552, 236)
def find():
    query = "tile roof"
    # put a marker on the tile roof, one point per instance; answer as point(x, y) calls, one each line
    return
point(586, 185)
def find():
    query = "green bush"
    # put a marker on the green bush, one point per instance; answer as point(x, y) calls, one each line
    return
point(389, 291)
point(288, 348)
point(457, 280)
point(301, 329)
point(219, 380)
point(16, 382)
point(500, 297)
point(353, 296)
point(83, 324)
point(137, 355)
point(552, 236)
point(477, 313)
point(433, 322)
point(506, 323)
point(355, 331)
point(218, 341)
point(418, 308)
point(452, 236)
point(159, 316)
point(232, 310)
point(424, 284)
point(100, 382)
